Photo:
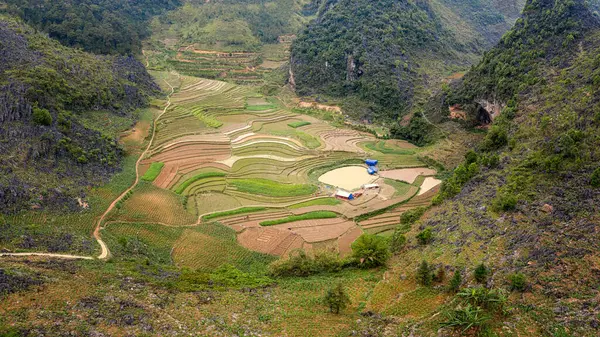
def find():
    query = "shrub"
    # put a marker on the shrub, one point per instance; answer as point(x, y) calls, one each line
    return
point(370, 251)
point(489, 299)
point(595, 180)
point(398, 241)
point(42, 116)
point(495, 139)
point(300, 264)
point(504, 202)
point(470, 157)
point(336, 299)
point(455, 282)
point(425, 236)
point(466, 318)
point(411, 216)
point(481, 273)
point(518, 282)
point(424, 275)
point(229, 276)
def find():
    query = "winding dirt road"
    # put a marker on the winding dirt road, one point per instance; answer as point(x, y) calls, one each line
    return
point(105, 253)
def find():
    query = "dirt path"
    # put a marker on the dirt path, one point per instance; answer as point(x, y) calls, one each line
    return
point(61, 256)
point(105, 252)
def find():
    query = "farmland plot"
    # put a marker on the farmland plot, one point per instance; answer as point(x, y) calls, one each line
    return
point(228, 154)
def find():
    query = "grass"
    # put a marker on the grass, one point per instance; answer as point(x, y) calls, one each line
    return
point(380, 147)
point(272, 188)
point(305, 216)
point(298, 124)
point(308, 140)
point(260, 107)
point(401, 187)
point(197, 177)
point(242, 210)
point(153, 172)
point(317, 202)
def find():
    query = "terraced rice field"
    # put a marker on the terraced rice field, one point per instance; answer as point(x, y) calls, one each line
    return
point(223, 147)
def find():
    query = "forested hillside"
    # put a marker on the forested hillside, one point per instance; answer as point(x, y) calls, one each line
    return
point(99, 26)
point(235, 25)
point(382, 54)
point(58, 107)
point(521, 212)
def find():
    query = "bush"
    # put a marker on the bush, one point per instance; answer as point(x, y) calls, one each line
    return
point(336, 299)
point(595, 180)
point(425, 236)
point(42, 116)
point(455, 282)
point(471, 157)
point(411, 216)
point(398, 241)
point(481, 273)
point(424, 275)
point(489, 299)
point(495, 139)
point(370, 251)
point(504, 202)
point(518, 282)
point(229, 276)
point(300, 264)
point(466, 317)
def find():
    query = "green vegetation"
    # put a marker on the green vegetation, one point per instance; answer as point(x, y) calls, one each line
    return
point(425, 236)
point(302, 265)
point(271, 187)
point(397, 40)
point(424, 274)
point(455, 282)
point(308, 140)
point(370, 251)
point(317, 202)
point(42, 116)
point(242, 210)
point(153, 172)
point(412, 215)
point(397, 242)
point(305, 216)
point(481, 273)
point(336, 299)
point(298, 124)
point(400, 187)
point(261, 107)
point(105, 26)
point(197, 177)
point(518, 282)
point(380, 147)
point(595, 179)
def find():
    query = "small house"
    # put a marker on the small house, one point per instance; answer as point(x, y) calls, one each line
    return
point(344, 195)
point(372, 170)
point(370, 186)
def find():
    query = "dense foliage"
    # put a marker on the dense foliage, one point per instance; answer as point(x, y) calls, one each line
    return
point(235, 25)
point(99, 26)
point(378, 51)
point(50, 142)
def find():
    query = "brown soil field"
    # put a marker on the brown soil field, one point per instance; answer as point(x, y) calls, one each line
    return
point(137, 134)
point(270, 240)
point(428, 184)
point(349, 178)
point(408, 175)
point(345, 241)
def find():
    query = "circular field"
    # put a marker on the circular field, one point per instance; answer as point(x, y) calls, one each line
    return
point(348, 178)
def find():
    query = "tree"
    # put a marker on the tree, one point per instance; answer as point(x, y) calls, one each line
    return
point(370, 250)
point(336, 299)
point(481, 273)
point(595, 180)
point(424, 275)
point(42, 116)
point(398, 241)
point(518, 282)
point(455, 281)
point(425, 236)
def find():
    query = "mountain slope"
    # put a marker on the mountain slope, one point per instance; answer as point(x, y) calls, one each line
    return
point(56, 109)
point(98, 26)
point(526, 202)
point(384, 53)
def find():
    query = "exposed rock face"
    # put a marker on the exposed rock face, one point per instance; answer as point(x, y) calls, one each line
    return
point(488, 110)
